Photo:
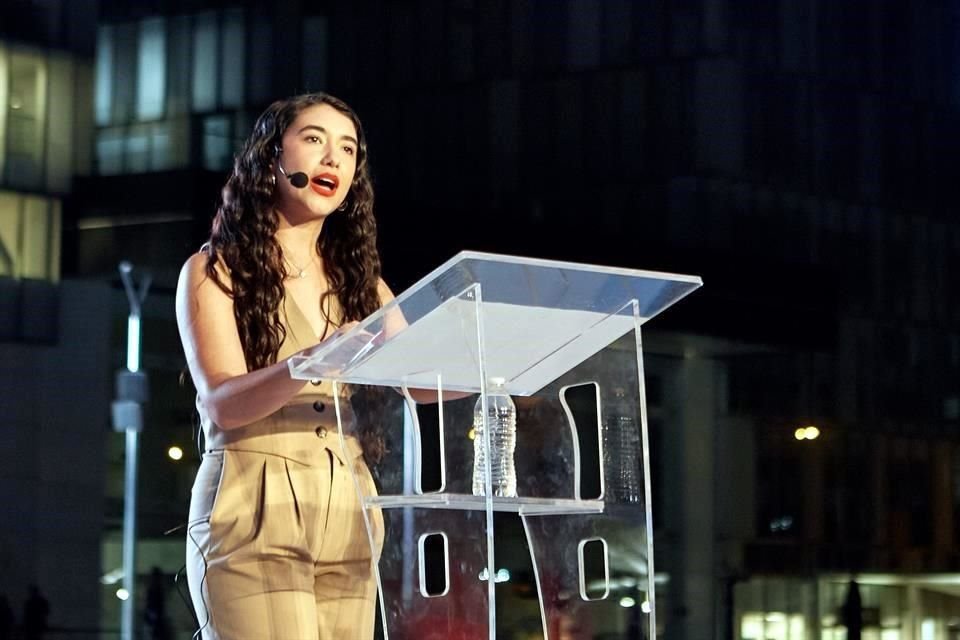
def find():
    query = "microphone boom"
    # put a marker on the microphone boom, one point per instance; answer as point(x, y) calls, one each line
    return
point(298, 179)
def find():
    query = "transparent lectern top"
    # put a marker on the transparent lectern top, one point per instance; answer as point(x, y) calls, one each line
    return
point(538, 317)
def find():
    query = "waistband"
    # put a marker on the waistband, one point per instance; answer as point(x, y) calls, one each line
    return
point(301, 431)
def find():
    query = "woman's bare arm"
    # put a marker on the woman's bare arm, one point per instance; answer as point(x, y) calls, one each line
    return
point(233, 396)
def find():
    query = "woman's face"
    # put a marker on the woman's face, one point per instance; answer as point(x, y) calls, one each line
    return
point(322, 143)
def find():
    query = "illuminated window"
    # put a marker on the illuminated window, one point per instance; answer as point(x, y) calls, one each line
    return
point(124, 80)
point(155, 146)
point(161, 147)
point(37, 126)
point(29, 236)
point(4, 74)
point(151, 69)
point(136, 149)
point(39, 252)
point(110, 151)
point(154, 73)
point(26, 106)
point(772, 625)
point(103, 98)
point(171, 144)
point(62, 123)
point(9, 234)
point(217, 143)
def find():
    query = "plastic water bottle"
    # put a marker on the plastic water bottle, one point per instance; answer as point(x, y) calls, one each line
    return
point(502, 419)
point(622, 450)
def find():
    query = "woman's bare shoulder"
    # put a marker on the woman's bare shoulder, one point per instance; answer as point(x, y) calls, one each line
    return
point(195, 271)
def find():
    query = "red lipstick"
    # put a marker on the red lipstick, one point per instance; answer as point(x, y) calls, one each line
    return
point(325, 184)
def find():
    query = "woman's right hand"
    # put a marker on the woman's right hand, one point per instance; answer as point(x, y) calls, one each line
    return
point(347, 353)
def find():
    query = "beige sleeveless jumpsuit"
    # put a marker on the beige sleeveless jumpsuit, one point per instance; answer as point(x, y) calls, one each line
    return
point(277, 544)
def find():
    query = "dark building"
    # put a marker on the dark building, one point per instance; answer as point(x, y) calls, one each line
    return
point(54, 331)
point(799, 156)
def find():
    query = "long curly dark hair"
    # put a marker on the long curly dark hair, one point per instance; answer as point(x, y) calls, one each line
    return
point(243, 241)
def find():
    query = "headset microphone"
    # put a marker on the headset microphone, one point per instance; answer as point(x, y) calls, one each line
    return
point(298, 179)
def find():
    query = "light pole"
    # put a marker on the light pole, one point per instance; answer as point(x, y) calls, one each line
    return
point(127, 413)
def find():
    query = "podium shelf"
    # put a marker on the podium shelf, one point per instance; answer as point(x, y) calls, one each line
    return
point(466, 502)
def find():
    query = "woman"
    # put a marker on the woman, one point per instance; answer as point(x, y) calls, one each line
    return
point(277, 543)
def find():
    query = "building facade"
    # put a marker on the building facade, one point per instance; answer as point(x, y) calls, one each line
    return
point(54, 331)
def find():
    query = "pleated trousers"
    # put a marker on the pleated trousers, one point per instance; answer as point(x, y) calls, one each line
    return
point(279, 550)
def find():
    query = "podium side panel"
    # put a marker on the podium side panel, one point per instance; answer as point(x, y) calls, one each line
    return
point(580, 595)
point(461, 611)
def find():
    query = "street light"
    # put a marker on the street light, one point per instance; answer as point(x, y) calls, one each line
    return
point(809, 432)
point(127, 413)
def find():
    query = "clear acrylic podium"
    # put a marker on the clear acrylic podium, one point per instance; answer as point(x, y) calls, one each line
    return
point(566, 338)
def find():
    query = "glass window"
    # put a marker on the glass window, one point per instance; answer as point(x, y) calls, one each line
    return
point(242, 122)
point(125, 72)
point(83, 113)
point(772, 626)
point(137, 149)
point(103, 100)
point(151, 69)
point(54, 234)
point(161, 156)
point(29, 236)
point(9, 233)
point(775, 609)
point(35, 255)
point(4, 74)
point(217, 143)
point(25, 120)
point(110, 151)
point(232, 59)
point(205, 62)
point(60, 124)
point(179, 37)
point(156, 146)
point(177, 131)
